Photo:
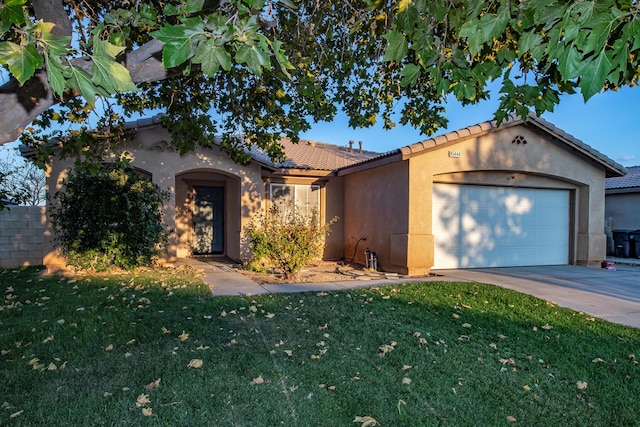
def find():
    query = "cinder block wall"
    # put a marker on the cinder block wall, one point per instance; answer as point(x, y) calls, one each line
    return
point(22, 230)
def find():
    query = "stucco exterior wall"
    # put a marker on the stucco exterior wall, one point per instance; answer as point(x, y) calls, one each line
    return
point(333, 202)
point(151, 151)
point(22, 230)
point(623, 210)
point(540, 163)
point(403, 236)
point(377, 201)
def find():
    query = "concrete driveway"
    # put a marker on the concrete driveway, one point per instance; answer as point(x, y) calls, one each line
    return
point(610, 295)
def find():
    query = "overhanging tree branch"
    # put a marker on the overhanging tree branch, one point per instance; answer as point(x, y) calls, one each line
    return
point(20, 105)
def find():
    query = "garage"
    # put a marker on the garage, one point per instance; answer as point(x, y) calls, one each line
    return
point(477, 226)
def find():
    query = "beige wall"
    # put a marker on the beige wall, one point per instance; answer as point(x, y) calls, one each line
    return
point(22, 231)
point(388, 203)
point(376, 202)
point(246, 189)
point(403, 239)
point(333, 202)
point(177, 174)
point(152, 152)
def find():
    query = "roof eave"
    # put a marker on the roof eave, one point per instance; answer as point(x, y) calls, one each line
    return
point(384, 159)
point(625, 190)
point(315, 173)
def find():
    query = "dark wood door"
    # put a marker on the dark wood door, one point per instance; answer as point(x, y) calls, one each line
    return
point(208, 221)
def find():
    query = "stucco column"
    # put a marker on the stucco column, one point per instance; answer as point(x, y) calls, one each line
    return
point(419, 242)
point(167, 183)
point(591, 244)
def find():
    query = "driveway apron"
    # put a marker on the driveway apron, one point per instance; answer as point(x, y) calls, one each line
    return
point(609, 295)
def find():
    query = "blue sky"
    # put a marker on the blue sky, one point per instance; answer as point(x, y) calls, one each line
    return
point(609, 122)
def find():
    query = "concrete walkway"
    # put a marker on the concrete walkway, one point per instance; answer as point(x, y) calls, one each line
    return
point(610, 295)
point(226, 281)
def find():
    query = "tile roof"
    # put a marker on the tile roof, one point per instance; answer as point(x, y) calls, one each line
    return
point(612, 168)
point(312, 155)
point(315, 155)
point(305, 154)
point(631, 180)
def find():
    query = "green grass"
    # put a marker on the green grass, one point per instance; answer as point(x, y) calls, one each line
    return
point(474, 354)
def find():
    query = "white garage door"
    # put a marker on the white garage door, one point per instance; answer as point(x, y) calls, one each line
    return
point(477, 226)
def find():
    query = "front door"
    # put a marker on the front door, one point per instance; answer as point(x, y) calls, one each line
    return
point(208, 221)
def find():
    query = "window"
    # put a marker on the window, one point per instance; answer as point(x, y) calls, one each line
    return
point(303, 198)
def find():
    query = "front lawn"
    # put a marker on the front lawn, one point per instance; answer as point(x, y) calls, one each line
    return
point(157, 349)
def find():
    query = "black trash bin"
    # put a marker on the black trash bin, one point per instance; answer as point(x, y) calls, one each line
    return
point(635, 242)
point(622, 239)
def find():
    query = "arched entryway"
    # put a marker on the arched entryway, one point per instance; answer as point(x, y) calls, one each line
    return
point(208, 214)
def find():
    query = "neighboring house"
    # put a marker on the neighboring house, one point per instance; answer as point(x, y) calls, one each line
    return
point(622, 200)
point(621, 207)
point(483, 196)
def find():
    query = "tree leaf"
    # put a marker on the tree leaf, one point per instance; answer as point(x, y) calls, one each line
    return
point(111, 75)
point(55, 76)
point(289, 4)
point(281, 58)
point(195, 363)
point(174, 54)
point(397, 48)
point(212, 57)
point(12, 13)
point(530, 41)
point(493, 25)
point(194, 6)
point(142, 400)
point(469, 30)
point(632, 32)
point(594, 74)
point(55, 45)
point(598, 35)
point(23, 61)
point(571, 63)
point(103, 48)
point(410, 73)
point(366, 421)
point(180, 44)
point(255, 57)
point(152, 385)
point(403, 5)
point(7, 51)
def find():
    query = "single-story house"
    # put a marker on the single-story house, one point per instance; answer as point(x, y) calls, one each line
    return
point(522, 193)
point(622, 200)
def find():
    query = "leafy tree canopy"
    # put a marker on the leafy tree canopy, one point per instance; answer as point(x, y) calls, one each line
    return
point(273, 67)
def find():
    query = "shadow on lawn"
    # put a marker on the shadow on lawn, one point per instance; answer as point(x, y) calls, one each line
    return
point(414, 354)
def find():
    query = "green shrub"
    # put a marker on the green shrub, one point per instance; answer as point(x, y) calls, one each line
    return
point(109, 216)
point(287, 242)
